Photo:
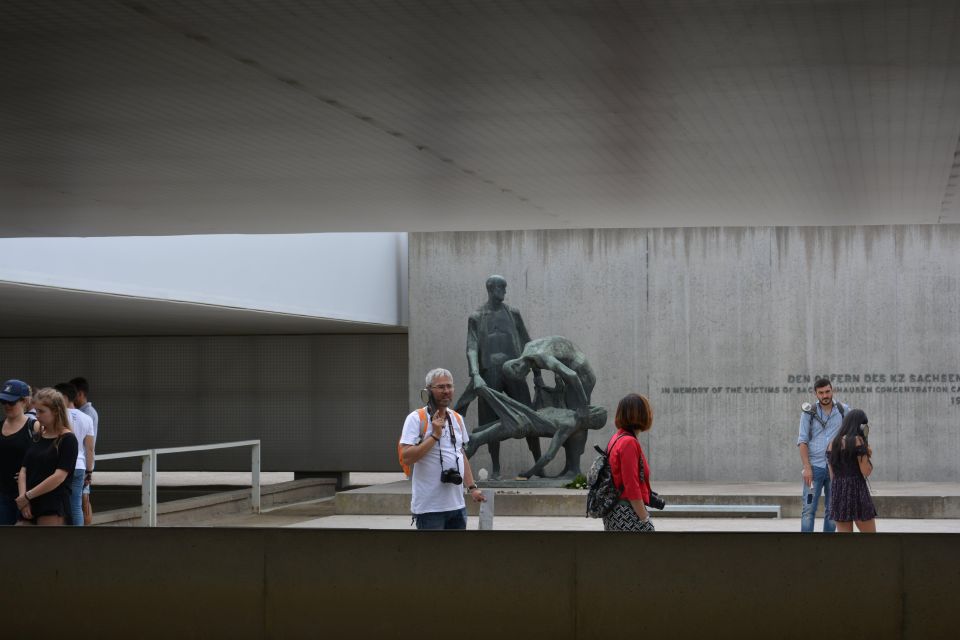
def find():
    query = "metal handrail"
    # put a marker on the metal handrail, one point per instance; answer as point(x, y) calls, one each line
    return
point(148, 467)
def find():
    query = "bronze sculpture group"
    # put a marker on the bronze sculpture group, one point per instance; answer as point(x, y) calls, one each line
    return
point(500, 356)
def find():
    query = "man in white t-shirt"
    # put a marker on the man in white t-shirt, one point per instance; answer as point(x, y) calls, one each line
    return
point(83, 429)
point(83, 404)
point(435, 452)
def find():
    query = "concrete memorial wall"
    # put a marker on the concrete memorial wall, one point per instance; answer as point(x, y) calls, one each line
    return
point(725, 330)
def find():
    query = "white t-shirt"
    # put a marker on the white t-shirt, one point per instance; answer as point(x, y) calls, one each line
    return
point(429, 494)
point(82, 426)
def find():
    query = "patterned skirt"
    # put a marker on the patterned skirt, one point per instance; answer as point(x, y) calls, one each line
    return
point(624, 518)
point(850, 499)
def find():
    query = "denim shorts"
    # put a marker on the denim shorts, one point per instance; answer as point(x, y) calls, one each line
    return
point(455, 519)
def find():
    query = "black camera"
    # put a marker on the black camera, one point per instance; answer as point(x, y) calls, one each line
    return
point(451, 476)
point(656, 501)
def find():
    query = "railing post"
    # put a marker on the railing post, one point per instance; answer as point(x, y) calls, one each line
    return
point(145, 490)
point(148, 489)
point(153, 487)
point(486, 510)
point(255, 477)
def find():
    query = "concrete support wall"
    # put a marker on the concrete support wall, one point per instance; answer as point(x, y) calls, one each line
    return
point(317, 402)
point(725, 329)
point(286, 583)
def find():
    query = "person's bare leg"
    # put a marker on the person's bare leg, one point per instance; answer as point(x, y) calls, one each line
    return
point(51, 521)
point(844, 527)
point(485, 416)
point(556, 442)
point(489, 434)
point(533, 443)
point(867, 526)
point(574, 447)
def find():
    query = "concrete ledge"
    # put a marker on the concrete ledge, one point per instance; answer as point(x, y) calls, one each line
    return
point(191, 510)
point(719, 511)
point(296, 583)
point(909, 502)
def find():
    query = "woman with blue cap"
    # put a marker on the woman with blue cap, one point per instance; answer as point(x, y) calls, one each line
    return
point(15, 439)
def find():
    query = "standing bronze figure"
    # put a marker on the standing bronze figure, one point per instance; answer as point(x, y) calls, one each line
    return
point(495, 334)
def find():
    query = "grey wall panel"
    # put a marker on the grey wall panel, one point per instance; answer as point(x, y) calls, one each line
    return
point(318, 402)
point(725, 328)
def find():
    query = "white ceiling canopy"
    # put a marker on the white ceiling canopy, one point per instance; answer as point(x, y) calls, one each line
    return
point(123, 117)
point(51, 311)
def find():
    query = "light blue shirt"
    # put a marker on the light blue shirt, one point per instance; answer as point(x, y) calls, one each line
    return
point(816, 436)
point(92, 413)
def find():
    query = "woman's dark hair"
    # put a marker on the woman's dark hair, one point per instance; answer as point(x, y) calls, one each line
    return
point(634, 413)
point(844, 445)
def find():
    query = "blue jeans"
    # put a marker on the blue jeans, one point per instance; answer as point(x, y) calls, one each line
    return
point(8, 510)
point(76, 498)
point(821, 482)
point(456, 519)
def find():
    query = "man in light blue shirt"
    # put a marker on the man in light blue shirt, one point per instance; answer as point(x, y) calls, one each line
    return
point(817, 429)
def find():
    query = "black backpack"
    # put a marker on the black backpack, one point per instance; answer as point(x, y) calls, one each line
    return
point(602, 494)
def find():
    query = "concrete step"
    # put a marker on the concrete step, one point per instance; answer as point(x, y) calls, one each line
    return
point(893, 500)
point(297, 494)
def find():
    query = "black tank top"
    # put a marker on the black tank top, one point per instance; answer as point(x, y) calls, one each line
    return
point(12, 449)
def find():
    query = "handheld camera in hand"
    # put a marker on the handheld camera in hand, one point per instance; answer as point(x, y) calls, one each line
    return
point(656, 501)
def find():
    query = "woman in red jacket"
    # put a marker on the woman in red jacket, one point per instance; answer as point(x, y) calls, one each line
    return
point(631, 473)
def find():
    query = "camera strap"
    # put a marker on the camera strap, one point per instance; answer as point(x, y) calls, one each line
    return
point(453, 442)
point(815, 414)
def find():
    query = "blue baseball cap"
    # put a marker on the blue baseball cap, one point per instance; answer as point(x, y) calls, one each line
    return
point(14, 390)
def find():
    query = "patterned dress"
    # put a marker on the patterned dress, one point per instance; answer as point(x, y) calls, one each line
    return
point(631, 474)
point(849, 494)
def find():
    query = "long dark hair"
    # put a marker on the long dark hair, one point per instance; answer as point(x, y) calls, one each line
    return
point(844, 445)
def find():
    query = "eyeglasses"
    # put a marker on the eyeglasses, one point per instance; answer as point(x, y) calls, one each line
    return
point(442, 387)
point(8, 403)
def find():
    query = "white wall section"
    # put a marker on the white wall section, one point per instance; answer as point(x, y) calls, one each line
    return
point(357, 277)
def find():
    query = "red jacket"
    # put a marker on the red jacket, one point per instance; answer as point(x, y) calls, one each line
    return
point(626, 456)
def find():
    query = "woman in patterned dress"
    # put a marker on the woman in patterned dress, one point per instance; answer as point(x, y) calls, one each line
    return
point(849, 461)
point(628, 465)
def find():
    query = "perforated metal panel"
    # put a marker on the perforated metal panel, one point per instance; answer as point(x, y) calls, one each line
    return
point(317, 402)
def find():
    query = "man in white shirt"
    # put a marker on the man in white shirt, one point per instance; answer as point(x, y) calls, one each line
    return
point(83, 404)
point(82, 427)
point(435, 452)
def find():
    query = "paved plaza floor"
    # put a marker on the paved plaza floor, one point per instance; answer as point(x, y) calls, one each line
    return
point(320, 514)
point(518, 523)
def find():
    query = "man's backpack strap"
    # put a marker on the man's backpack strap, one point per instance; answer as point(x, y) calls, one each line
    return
point(459, 419)
point(814, 416)
point(408, 469)
point(422, 414)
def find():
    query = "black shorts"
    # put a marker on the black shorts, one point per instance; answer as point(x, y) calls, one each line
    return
point(55, 503)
